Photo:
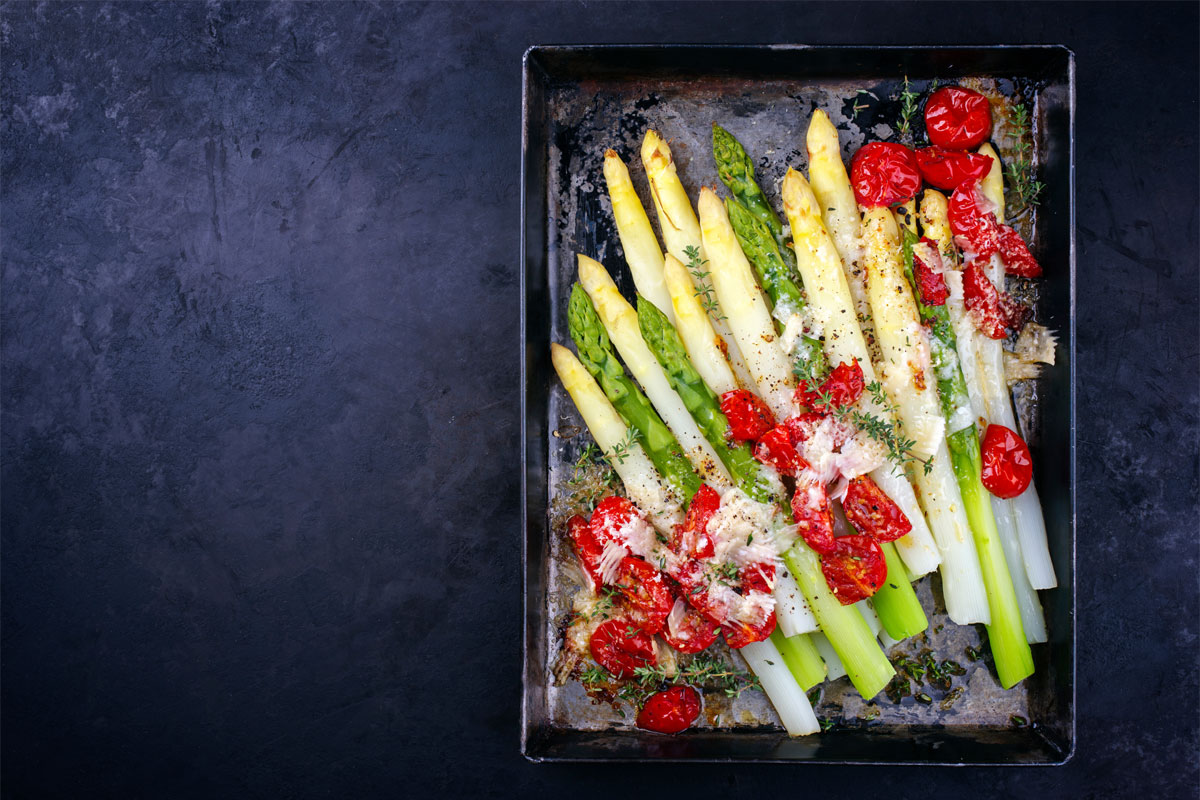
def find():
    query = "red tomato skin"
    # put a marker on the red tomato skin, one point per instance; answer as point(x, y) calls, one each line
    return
point(855, 569)
point(693, 581)
point(811, 511)
point(872, 512)
point(775, 448)
point(983, 302)
point(691, 539)
point(670, 711)
point(884, 174)
point(758, 577)
point(949, 169)
point(957, 118)
point(696, 632)
point(974, 229)
point(586, 548)
point(619, 653)
point(930, 284)
point(1007, 465)
point(844, 385)
point(647, 597)
point(749, 418)
point(738, 635)
point(611, 514)
point(799, 426)
point(1017, 258)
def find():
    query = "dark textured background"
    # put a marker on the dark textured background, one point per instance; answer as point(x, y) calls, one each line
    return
point(260, 396)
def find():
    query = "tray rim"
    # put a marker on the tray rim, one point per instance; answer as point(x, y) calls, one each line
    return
point(527, 77)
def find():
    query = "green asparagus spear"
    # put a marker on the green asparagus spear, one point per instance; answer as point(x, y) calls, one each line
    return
point(736, 171)
point(596, 354)
point(778, 282)
point(1014, 661)
point(701, 402)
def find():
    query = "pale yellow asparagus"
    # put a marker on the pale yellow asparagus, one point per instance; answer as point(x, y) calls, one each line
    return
point(832, 308)
point(695, 329)
point(993, 183)
point(642, 253)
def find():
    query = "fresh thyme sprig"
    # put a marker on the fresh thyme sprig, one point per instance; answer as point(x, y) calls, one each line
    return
point(621, 449)
point(1019, 171)
point(899, 449)
point(704, 291)
point(908, 107)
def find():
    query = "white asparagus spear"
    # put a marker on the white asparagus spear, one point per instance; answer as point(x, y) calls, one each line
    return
point(681, 232)
point(642, 253)
point(694, 326)
point(742, 303)
point(832, 306)
point(907, 376)
point(790, 701)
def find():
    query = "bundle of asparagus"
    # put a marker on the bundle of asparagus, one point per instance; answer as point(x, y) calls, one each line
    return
point(793, 385)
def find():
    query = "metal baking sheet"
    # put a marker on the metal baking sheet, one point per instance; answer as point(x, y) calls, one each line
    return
point(579, 101)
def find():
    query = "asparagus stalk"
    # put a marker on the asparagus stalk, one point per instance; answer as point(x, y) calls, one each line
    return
point(681, 235)
point(620, 321)
point(595, 352)
point(736, 171)
point(695, 328)
point(642, 483)
point(801, 657)
point(1014, 661)
point(906, 376)
point(936, 226)
point(642, 253)
point(833, 311)
point(1031, 525)
point(776, 677)
point(704, 406)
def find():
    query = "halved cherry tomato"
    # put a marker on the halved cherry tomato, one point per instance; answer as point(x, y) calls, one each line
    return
point(957, 118)
point(811, 511)
point(872, 512)
point(586, 548)
point(739, 634)
point(775, 448)
point(974, 227)
point(1017, 258)
point(930, 284)
point(844, 385)
point(758, 577)
point(749, 417)
point(949, 169)
point(855, 569)
point(693, 579)
point(693, 633)
point(611, 515)
point(621, 647)
point(647, 596)
point(991, 309)
point(884, 174)
point(670, 711)
point(801, 426)
point(691, 539)
point(1007, 465)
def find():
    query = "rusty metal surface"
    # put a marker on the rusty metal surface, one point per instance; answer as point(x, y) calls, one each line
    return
point(583, 119)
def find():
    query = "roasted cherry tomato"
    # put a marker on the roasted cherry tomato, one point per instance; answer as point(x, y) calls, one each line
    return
point(694, 582)
point(647, 596)
point(930, 284)
point(855, 569)
point(1007, 465)
point(758, 577)
point(691, 538)
point(1017, 258)
point(586, 548)
point(872, 512)
point(801, 426)
point(670, 711)
point(620, 646)
point(692, 633)
point(738, 635)
point(949, 169)
point(958, 118)
point(749, 417)
point(611, 515)
point(775, 448)
point(811, 511)
point(884, 174)
point(844, 385)
point(973, 224)
point(991, 309)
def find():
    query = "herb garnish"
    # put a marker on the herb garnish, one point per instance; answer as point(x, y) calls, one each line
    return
point(704, 291)
point(1020, 167)
point(908, 107)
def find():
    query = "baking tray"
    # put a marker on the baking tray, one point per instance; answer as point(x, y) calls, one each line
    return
point(579, 100)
